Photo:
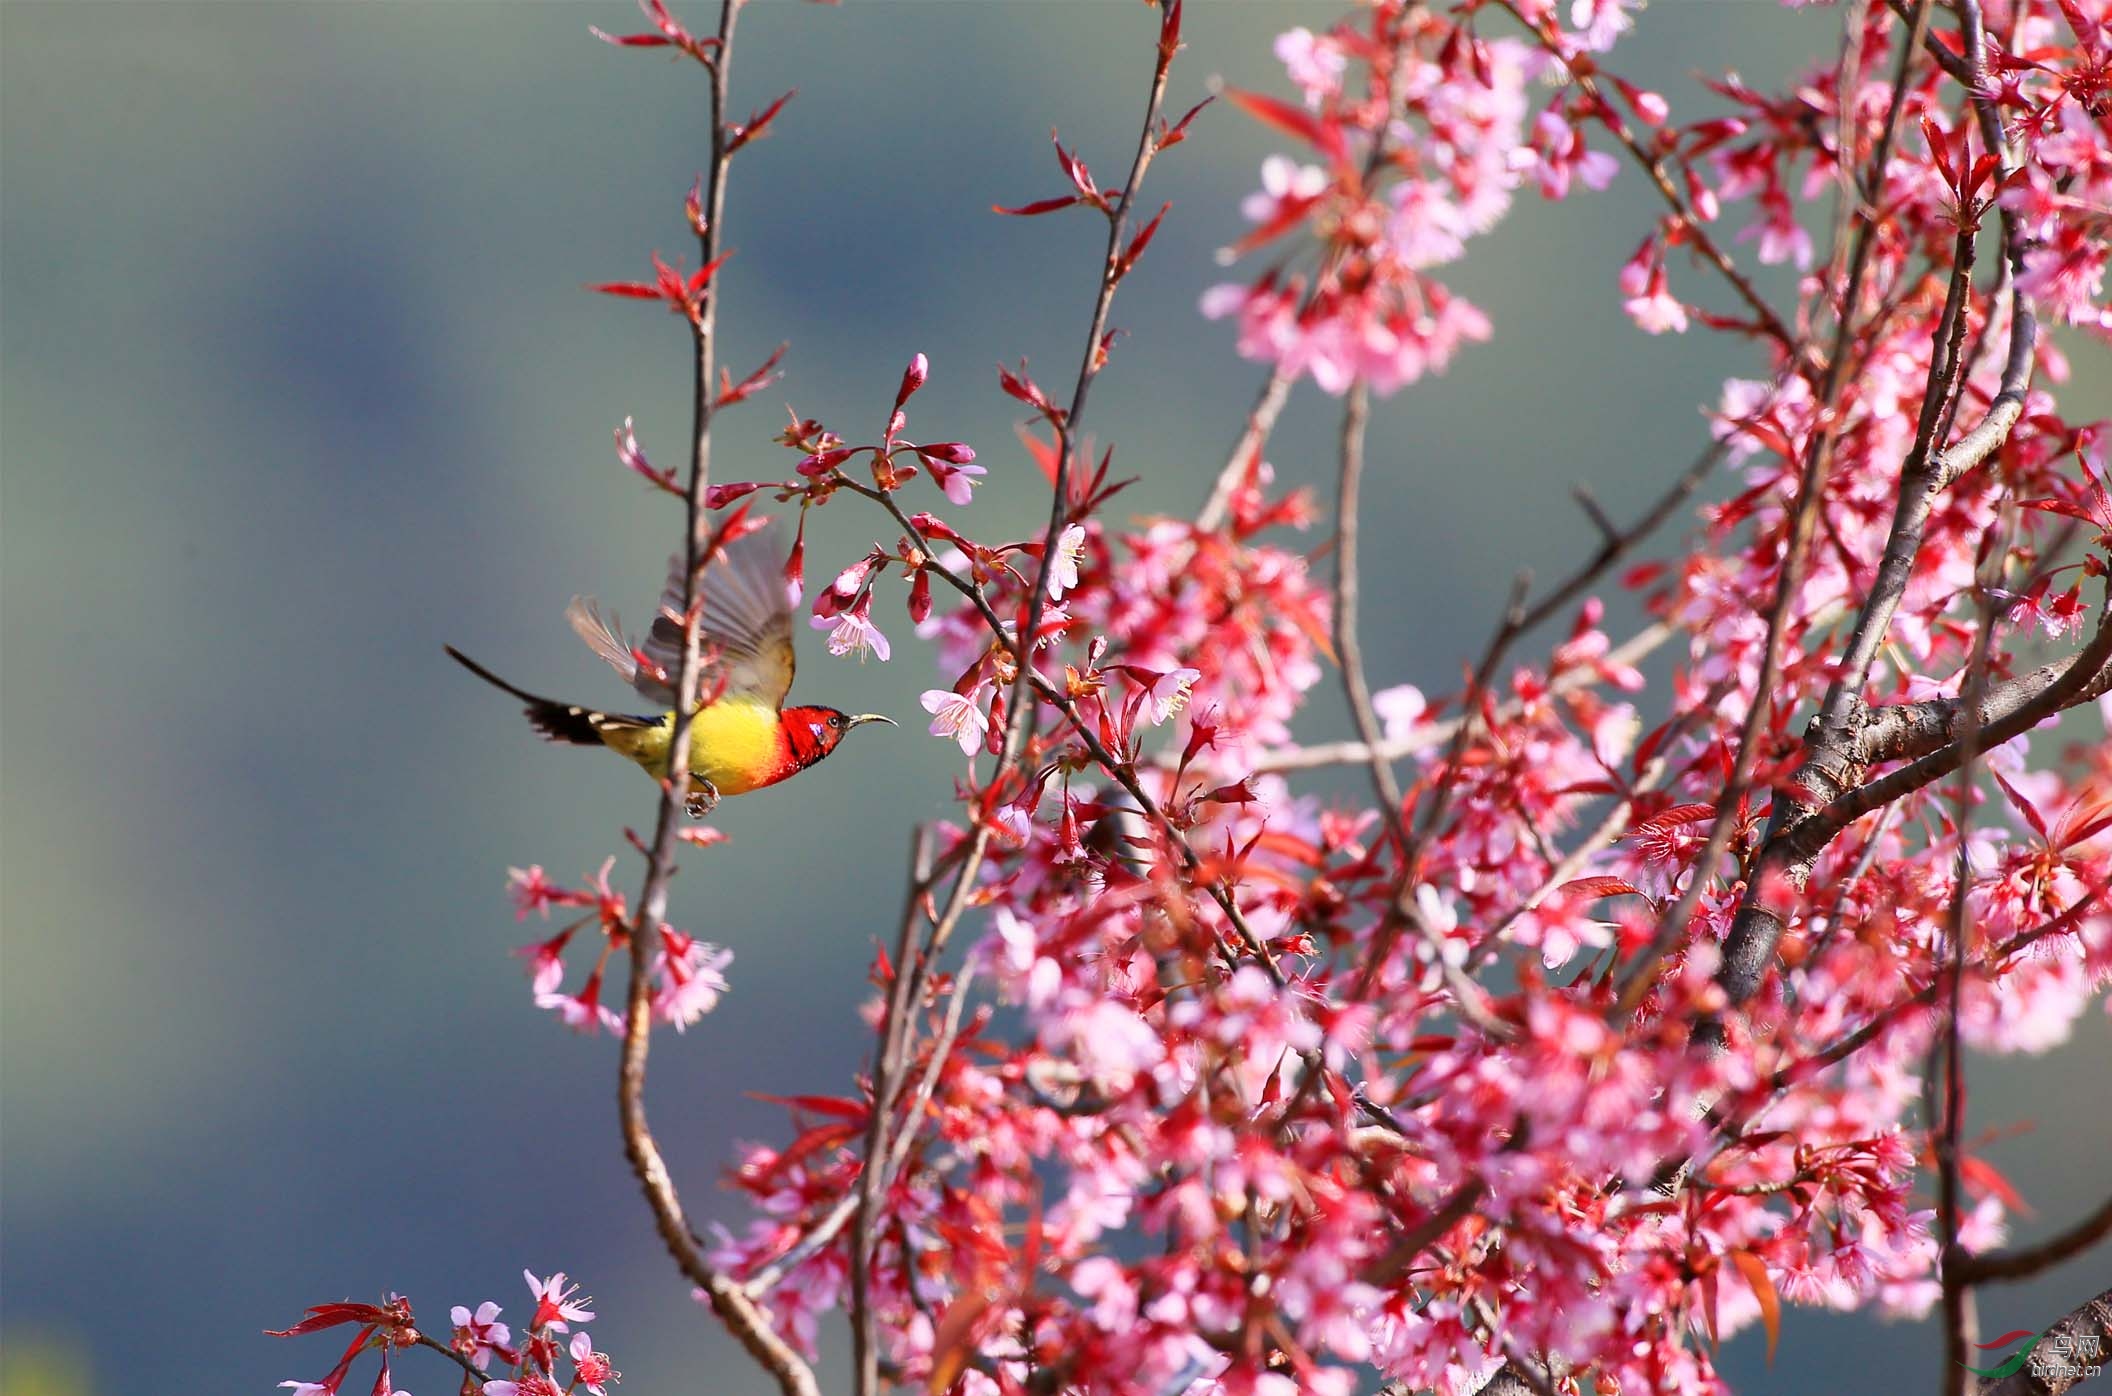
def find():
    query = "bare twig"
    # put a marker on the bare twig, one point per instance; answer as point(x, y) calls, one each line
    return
point(1349, 652)
point(2026, 1262)
point(469, 1368)
point(1261, 420)
point(1019, 715)
point(887, 1060)
point(1428, 736)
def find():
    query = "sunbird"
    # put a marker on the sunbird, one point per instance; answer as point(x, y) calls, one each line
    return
point(743, 737)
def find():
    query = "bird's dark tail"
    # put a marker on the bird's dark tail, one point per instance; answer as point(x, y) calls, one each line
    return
point(560, 722)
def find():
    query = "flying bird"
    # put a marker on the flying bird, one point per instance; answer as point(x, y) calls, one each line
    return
point(743, 737)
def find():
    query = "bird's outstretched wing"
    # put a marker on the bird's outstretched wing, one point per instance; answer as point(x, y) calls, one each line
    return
point(746, 622)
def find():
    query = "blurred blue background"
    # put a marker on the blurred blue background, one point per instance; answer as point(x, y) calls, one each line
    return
point(300, 382)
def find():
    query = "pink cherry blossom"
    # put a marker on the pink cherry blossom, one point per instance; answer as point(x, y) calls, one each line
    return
point(958, 716)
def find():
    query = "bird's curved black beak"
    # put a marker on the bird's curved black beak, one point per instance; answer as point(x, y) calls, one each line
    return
point(857, 719)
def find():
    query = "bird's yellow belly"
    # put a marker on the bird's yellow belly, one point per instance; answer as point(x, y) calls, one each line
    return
point(734, 745)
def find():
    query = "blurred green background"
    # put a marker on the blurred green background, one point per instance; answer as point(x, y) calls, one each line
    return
point(300, 382)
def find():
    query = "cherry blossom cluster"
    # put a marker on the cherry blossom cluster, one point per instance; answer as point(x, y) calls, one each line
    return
point(688, 974)
point(1422, 130)
point(542, 1360)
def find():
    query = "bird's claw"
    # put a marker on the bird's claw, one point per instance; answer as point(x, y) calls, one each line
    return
point(703, 798)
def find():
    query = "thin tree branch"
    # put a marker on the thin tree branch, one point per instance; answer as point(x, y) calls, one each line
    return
point(742, 1318)
point(887, 1060)
point(2026, 1262)
point(469, 1368)
point(1019, 715)
point(1349, 652)
point(1946, 1085)
point(1848, 1045)
point(1653, 165)
point(1261, 420)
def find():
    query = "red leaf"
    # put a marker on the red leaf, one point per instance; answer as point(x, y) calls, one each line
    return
point(1600, 887)
point(953, 1336)
point(1756, 1278)
point(814, 1141)
point(1642, 574)
point(1667, 820)
point(1022, 387)
point(1039, 206)
point(1982, 168)
point(1074, 170)
point(321, 1316)
point(1289, 119)
point(1939, 151)
point(1178, 132)
point(631, 40)
point(1290, 213)
point(1043, 452)
point(730, 393)
point(1981, 1178)
point(1708, 1304)
point(2024, 807)
point(1137, 245)
point(634, 290)
point(2058, 506)
point(753, 128)
point(701, 277)
point(817, 1104)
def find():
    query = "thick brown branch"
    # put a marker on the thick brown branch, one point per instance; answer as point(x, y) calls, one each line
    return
point(1828, 766)
point(2088, 1327)
point(2084, 677)
point(1904, 731)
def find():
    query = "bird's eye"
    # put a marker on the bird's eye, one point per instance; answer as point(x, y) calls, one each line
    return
point(836, 721)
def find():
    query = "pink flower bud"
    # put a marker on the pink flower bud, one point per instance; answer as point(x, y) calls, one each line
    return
point(912, 378)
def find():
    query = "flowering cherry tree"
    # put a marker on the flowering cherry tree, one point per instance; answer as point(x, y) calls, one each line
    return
point(1619, 1016)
